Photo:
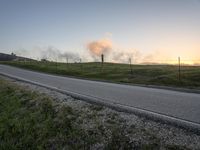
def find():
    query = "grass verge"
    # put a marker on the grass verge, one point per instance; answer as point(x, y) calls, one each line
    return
point(29, 120)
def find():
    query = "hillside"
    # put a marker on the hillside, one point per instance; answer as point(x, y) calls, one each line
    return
point(13, 57)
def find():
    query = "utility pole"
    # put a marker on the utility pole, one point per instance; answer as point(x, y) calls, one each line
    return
point(179, 68)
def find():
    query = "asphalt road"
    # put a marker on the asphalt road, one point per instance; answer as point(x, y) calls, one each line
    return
point(185, 106)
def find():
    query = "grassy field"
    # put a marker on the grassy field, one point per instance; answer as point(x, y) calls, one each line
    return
point(164, 75)
point(31, 120)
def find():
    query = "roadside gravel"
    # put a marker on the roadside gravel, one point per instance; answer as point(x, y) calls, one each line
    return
point(136, 129)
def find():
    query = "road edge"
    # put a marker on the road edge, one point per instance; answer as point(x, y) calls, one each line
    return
point(170, 88)
point(190, 126)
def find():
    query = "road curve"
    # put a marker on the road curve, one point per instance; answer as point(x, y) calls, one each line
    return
point(180, 105)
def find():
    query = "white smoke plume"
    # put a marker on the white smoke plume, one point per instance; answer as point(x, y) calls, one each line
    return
point(69, 57)
point(124, 57)
point(96, 48)
point(50, 53)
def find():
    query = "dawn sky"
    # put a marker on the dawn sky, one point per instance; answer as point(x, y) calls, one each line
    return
point(165, 28)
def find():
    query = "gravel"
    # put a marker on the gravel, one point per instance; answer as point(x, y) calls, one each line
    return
point(137, 129)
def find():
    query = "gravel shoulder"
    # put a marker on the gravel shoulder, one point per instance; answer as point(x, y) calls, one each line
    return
point(113, 127)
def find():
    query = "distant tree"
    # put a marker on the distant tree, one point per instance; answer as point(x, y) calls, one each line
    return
point(13, 54)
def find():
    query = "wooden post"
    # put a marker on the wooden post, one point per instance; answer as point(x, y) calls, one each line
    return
point(81, 64)
point(67, 61)
point(56, 66)
point(102, 61)
point(179, 68)
point(131, 69)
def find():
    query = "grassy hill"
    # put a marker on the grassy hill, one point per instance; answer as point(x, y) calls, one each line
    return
point(164, 75)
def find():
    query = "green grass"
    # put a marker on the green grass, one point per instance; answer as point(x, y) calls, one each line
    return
point(29, 120)
point(164, 75)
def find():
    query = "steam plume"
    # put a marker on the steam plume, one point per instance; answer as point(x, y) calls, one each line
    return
point(123, 57)
point(96, 48)
point(68, 56)
point(50, 53)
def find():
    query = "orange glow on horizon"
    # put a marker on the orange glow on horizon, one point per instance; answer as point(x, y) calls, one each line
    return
point(175, 62)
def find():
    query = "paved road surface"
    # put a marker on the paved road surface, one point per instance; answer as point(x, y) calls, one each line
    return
point(185, 106)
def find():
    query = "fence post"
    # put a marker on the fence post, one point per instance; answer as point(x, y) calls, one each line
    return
point(81, 64)
point(67, 61)
point(102, 62)
point(179, 68)
point(130, 63)
point(56, 66)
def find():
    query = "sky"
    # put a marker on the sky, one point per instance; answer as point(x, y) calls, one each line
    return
point(146, 30)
